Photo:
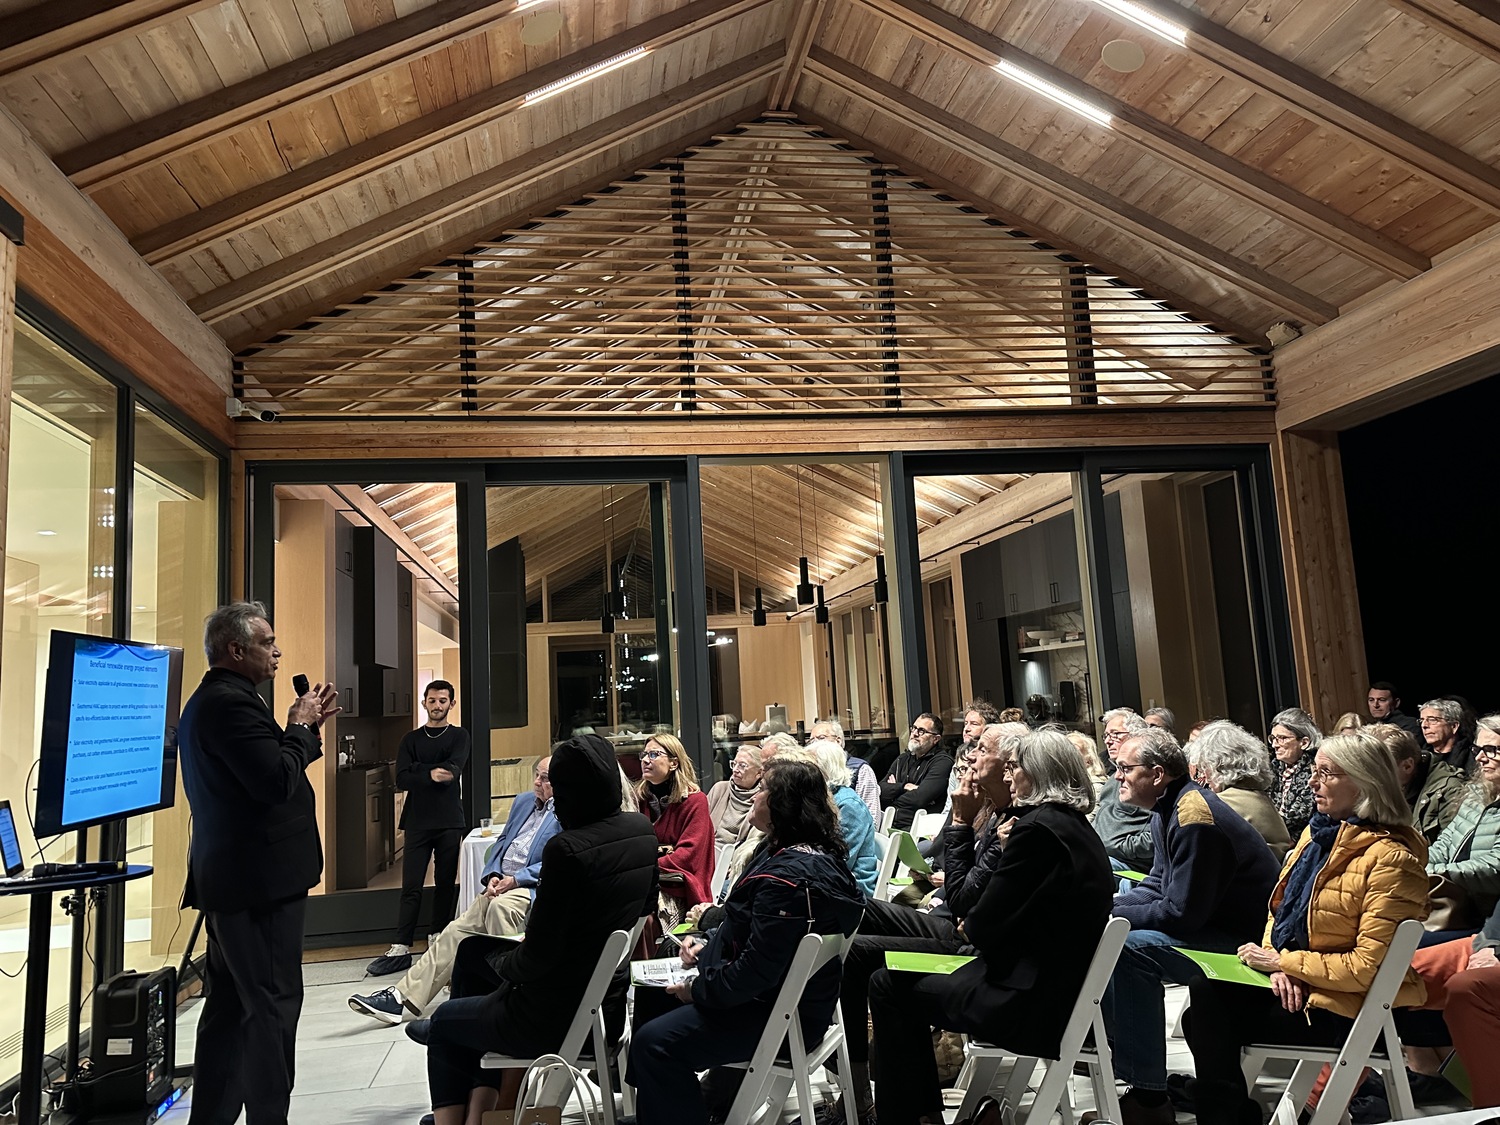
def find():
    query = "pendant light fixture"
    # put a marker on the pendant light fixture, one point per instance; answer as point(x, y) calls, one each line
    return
point(882, 587)
point(804, 583)
point(820, 613)
point(607, 618)
point(758, 614)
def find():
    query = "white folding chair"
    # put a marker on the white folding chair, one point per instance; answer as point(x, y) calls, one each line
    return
point(925, 825)
point(768, 1080)
point(588, 1024)
point(721, 871)
point(889, 856)
point(887, 820)
point(1372, 1042)
point(983, 1060)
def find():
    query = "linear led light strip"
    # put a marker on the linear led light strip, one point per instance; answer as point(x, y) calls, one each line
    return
point(583, 75)
point(522, 5)
point(1056, 93)
point(1142, 16)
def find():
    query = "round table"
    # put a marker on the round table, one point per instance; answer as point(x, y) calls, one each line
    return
point(471, 855)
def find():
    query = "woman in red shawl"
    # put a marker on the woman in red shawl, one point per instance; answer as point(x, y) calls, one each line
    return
point(670, 796)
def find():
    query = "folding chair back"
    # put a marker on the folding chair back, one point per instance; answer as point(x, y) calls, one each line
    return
point(984, 1060)
point(889, 857)
point(925, 825)
point(1372, 1042)
point(721, 871)
point(887, 819)
point(767, 1081)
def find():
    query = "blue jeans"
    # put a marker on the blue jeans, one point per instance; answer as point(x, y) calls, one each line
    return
point(1135, 1011)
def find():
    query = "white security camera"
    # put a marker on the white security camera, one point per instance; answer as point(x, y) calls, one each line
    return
point(261, 410)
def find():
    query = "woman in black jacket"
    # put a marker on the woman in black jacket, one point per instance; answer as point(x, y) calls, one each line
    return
point(1034, 927)
point(796, 884)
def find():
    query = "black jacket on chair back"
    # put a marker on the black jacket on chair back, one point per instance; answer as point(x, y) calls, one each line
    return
point(598, 875)
point(255, 826)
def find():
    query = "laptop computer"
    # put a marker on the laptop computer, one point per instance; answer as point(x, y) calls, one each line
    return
point(10, 843)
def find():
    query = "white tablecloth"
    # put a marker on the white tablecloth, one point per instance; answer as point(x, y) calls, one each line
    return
point(471, 864)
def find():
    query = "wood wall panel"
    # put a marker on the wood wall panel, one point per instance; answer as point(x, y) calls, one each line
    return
point(8, 254)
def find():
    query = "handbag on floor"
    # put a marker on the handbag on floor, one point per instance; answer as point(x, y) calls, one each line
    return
point(532, 1084)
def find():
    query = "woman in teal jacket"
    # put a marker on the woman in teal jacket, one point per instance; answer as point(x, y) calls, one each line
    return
point(855, 824)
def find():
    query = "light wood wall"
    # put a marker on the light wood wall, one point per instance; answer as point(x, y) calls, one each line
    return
point(8, 256)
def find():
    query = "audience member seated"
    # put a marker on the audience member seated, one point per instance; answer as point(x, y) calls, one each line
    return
point(1209, 881)
point(1294, 741)
point(1234, 763)
point(919, 777)
point(1163, 718)
point(729, 800)
point(1124, 829)
point(977, 715)
point(1440, 720)
point(1097, 771)
point(1432, 787)
point(1013, 715)
point(1034, 928)
point(865, 784)
point(598, 875)
point(1354, 876)
point(678, 810)
point(1385, 707)
point(1463, 982)
point(1467, 854)
point(798, 883)
point(512, 868)
point(1348, 723)
point(855, 824)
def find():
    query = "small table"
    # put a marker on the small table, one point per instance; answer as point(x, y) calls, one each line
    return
point(34, 1018)
point(471, 855)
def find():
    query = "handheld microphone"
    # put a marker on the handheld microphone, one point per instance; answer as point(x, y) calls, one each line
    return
point(300, 685)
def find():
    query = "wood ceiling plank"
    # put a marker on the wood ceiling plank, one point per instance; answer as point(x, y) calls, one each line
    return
point(389, 146)
point(1079, 193)
point(1456, 170)
point(320, 74)
point(1245, 181)
point(1456, 21)
point(50, 32)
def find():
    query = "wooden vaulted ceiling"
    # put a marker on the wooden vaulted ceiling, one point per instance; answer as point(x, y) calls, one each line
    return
point(276, 158)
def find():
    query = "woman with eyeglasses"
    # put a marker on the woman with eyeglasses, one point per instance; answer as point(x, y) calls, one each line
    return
point(729, 800)
point(670, 797)
point(1357, 873)
point(1467, 853)
point(1294, 740)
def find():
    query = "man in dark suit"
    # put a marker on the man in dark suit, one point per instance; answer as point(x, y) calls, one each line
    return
point(255, 852)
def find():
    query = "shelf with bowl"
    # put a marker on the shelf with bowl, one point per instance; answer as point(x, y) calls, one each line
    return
point(1060, 646)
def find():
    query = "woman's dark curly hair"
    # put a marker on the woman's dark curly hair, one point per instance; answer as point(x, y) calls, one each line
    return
point(801, 808)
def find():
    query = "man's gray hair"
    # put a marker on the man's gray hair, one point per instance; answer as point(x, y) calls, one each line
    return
point(1127, 713)
point(1232, 757)
point(1056, 770)
point(1166, 715)
point(1301, 724)
point(1158, 747)
point(1450, 710)
point(831, 761)
point(778, 742)
point(1004, 735)
point(834, 728)
point(230, 624)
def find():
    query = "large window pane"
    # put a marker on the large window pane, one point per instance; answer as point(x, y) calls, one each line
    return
point(174, 551)
point(59, 574)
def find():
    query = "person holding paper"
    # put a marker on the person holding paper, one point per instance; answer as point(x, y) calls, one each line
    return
point(1035, 926)
point(1357, 873)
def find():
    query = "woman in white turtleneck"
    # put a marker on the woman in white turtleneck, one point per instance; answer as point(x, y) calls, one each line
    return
point(729, 801)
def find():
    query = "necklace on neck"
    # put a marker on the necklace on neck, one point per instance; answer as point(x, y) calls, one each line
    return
point(442, 730)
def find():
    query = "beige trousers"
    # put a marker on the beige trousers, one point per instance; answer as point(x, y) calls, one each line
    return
point(492, 917)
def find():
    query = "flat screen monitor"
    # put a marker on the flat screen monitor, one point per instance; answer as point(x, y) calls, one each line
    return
point(10, 842)
point(109, 731)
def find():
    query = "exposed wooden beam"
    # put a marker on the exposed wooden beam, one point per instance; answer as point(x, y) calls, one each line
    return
point(934, 121)
point(1468, 177)
point(49, 31)
point(1463, 23)
point(274, 197)
point(110, 158)
point(1161, 140)
point(804, 30)
point(468, 194)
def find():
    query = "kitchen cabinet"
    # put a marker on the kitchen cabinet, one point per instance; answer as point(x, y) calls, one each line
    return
point(375, 567)
point(366, 822)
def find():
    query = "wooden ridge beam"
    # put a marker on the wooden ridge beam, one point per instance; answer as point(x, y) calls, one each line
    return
point(934, 121)
point(275, 197)
point(804, 30)
point(1464, 23)
point(110, 158)
point(1320, 100)
point(51, 30)
point(1184, 152)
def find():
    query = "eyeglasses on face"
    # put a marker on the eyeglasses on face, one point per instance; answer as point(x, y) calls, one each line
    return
point(1432, 721)
point(1487, 753)
point(1323, 773)
point(736, 767)
point(922, 730)
point(1282, 739)
point(1122, 769)
point(652, 755)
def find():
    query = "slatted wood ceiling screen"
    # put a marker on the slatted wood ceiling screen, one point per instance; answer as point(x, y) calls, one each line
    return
point(773, 271)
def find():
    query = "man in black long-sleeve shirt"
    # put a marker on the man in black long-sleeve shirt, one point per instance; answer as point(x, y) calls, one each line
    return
point(919, 777)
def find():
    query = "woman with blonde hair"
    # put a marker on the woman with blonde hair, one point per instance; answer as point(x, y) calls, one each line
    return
point(1348, 723)
point(669, 795)
point(1090, 754)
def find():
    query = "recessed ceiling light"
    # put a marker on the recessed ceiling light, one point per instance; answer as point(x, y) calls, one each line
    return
point(1056, 93)
point(46, 533)
point(1123, 55)
point(1142, 16)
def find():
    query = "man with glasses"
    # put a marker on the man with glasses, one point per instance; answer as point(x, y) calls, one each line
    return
point(1440, 720)
point(512, 870)
point(919, 777)
point(1124, 829)
point(1210, 879)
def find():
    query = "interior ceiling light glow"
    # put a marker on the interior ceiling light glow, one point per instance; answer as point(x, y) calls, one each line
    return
point(522, 5)
point(1142, 16)
point(1056, 93)
point(583, 75)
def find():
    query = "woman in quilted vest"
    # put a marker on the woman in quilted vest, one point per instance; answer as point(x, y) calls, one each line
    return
point(1357, 872)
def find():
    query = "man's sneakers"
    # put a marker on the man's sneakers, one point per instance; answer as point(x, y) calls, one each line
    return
point(385, 1006)
point(396, 959)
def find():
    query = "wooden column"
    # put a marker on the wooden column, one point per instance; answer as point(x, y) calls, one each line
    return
point(1326, 629)
point(7, 374)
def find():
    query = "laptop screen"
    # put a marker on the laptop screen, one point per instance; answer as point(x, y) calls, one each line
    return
point(10, 843)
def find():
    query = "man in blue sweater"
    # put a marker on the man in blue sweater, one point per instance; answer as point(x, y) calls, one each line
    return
point(1211, 877)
